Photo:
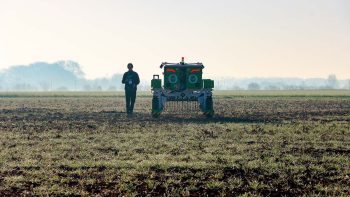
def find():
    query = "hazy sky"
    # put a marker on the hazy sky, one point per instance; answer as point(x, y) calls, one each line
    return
point(246, 38)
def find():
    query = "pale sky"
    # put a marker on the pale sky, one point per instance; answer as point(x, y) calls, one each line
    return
point(246, 38)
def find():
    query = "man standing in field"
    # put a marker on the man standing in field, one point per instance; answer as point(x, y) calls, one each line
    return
point(131, 80)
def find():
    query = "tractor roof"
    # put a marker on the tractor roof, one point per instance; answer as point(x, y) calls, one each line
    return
point(182, 65)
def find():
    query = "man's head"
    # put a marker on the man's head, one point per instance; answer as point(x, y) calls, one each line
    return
point(130, 66)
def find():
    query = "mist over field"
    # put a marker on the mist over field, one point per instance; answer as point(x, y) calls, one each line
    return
point(69, 76)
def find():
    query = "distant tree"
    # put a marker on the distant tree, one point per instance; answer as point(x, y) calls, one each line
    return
point(272, 87)
point(62, 89)
point(332, 81)
point(236, 87)
point(121, 86)
point(87, 87)
point(253, 86)
point(218, 85)
point(112, 88)
point(23, 87)
point(98, 88)
point(45, 86)
point(349, 84)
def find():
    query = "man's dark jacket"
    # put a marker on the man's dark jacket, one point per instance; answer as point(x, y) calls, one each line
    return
point(131, 80)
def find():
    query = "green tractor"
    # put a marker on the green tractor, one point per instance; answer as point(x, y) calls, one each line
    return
point(183, 89)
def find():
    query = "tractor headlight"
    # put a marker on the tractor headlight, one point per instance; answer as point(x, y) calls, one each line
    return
point(172, 78)
point(193, 78)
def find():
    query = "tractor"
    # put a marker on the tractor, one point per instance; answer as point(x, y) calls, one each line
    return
point(183, 89)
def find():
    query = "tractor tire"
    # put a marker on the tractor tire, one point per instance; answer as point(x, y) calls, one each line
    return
point(209, 114)
point(155, 107)
point(155, 114)
point(209, 111)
